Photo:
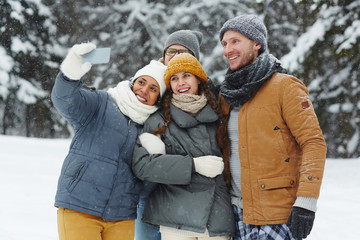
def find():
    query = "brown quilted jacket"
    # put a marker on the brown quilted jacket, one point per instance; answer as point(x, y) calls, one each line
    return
point(281, 147)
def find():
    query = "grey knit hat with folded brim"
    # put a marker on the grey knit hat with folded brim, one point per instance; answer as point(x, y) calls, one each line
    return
point(249, 25)
point(187, 38)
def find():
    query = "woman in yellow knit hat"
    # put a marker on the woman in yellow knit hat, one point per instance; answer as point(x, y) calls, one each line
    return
point(178, 151)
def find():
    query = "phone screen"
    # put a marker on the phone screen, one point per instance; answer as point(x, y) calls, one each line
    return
point(98, 56)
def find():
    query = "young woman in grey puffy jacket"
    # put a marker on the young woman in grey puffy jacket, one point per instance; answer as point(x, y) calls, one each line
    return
point(178, 151)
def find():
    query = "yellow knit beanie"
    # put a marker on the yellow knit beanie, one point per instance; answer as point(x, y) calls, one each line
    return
point(184, 62)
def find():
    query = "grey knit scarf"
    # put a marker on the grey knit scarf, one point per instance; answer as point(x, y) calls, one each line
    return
point(239, 85)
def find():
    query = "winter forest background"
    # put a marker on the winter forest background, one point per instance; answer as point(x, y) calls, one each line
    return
point(317, 41)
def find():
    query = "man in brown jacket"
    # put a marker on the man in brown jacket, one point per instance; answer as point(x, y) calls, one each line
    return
point(273, 146)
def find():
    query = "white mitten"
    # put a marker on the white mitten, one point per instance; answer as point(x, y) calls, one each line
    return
point(209, 166)
point(152, 143)
point(72, 66)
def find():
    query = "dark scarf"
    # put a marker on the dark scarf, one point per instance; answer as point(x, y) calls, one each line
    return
point(239, 85)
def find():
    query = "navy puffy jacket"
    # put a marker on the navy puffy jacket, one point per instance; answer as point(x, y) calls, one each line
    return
point(96, 175)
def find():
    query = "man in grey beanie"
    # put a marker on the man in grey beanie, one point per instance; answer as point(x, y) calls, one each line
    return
point(188, 41)
point(250, 26)
point(271, 138)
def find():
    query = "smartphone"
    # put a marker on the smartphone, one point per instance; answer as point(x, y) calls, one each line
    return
point(97, 56)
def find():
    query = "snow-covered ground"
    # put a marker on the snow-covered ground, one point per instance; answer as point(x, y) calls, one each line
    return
point(29, 169)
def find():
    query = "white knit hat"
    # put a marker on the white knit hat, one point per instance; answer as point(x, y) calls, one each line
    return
point(156, 70)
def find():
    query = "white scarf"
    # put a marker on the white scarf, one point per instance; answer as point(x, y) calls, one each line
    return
point(129, 104)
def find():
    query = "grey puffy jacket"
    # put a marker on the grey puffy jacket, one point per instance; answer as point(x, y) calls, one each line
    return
point(96, 175)
point(184, 199)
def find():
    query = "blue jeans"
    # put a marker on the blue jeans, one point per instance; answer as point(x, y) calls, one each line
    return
point(145, 231)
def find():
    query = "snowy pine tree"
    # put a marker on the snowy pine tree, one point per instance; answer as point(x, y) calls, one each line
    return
point(326, 57)
point(27, 70)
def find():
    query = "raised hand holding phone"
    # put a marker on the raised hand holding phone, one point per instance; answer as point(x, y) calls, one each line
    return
point(72, 66)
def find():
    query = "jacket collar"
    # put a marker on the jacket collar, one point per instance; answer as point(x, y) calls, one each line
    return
point(186, 120)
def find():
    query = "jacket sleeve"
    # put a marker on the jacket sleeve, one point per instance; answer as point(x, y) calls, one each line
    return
point(77, 105)
point(165, 169)
point(300, 117)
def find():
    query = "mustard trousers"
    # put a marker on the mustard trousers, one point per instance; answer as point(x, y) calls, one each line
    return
point(74, 225)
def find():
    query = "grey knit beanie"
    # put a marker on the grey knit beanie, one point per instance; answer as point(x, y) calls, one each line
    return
point(249, 25)
point(187, 38)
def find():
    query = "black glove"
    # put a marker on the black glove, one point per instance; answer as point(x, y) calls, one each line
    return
point(301, 221)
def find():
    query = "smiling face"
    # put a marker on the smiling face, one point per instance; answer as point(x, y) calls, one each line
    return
point(184, 82)
point(239, 50)
point(146, 90)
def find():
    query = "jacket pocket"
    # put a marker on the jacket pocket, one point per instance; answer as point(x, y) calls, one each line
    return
point(80, 170)
point(276, 182)
point(277, 195)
